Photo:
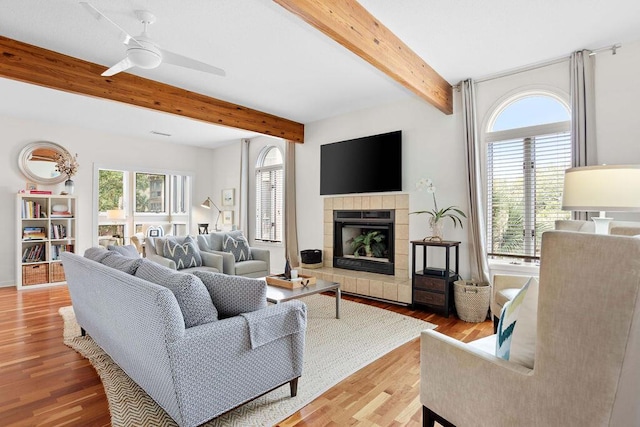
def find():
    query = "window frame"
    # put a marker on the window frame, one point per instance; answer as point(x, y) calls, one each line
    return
point(523, 133)
point(258, 170)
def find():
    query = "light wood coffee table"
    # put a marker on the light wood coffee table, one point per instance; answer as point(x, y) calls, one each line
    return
point(277, 295)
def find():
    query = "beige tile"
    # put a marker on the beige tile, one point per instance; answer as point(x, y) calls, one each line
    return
point(402, 201)
point(401, 273)
point(338, 203)
point(388, 202)
point(402, 247)
point(347, 203)
point(328, 203)
point(390, 291)
point(357, 203)
point(404, 294)
point(362, 286)
point(375, 202)
point(350, 284)
point(376, 288)
point(328, 277)
point(402, 216)
point(338, 278)
point(402, 262)
point(328, 216)
point(366, 203)
point(402, 231)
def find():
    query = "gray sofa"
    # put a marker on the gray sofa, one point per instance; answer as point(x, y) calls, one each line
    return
point(198, 344)
point(258, 266)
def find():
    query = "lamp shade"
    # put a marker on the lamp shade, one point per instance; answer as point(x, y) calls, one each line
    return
point(602, 188)
point(116, 214)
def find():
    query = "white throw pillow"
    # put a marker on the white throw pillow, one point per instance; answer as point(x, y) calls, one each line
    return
point(507, 323)
point(523, 342)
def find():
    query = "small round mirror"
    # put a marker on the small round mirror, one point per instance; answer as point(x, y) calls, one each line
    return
point(38, 162)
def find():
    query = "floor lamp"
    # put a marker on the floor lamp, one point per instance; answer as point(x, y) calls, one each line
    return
point(208, 204)
point(613, 188)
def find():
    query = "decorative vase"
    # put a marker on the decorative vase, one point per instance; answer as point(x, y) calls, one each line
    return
point(287, 269)
point(437, 229)
point(69, 186)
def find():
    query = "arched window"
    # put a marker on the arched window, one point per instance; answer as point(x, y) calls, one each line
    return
point(269, 195)
point(528, 140)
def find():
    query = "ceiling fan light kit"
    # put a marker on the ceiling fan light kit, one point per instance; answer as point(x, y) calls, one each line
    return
point(142, 52)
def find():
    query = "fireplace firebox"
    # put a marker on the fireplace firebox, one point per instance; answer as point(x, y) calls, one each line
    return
point(348, 225)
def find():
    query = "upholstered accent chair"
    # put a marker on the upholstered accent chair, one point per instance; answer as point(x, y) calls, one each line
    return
point(258, 266)
point(155, 251)
point(137, 240)
point(586, 367)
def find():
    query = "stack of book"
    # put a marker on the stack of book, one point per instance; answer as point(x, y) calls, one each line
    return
point(33, 253)
point(56, 250)
point(31, 209)
point(58, 231)
point(33, 233)
point(62, 214)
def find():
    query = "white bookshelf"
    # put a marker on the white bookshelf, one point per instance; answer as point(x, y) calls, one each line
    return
point(46, 226)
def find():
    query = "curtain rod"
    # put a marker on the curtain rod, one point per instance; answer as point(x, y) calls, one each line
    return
point(613, 48)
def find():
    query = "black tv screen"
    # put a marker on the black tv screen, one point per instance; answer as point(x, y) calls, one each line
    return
point(364, 165)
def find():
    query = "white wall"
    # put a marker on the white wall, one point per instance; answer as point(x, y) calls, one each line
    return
point(432, 148)
point(225, 174)
point(92, 147)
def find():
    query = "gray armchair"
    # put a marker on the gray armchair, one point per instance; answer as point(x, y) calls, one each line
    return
point(259, 266)
point(154, 252)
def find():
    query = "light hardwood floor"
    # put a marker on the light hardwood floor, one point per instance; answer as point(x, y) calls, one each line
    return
point(45, 383)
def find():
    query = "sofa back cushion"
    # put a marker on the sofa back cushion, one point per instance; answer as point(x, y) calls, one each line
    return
point(191, 294)
point(96, 253)
point(236, 244)
point(184, 252)
point(122, 263)
point(129, 251)
point(233, 295)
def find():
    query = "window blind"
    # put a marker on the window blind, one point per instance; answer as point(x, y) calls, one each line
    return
point(269, 204)
point(525, 178)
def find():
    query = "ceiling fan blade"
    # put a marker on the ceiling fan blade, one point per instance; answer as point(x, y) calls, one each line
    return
point(183, 61)
point(123, 65)
point(126, 37)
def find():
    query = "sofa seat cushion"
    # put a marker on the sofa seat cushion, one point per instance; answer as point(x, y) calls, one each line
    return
point(233, 295)
point(252, 266)
point(236, 244)
point(505, 295)
point(185, 254)
point(191, 294)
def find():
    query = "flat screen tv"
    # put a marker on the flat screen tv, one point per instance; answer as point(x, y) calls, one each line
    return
point(364, 165)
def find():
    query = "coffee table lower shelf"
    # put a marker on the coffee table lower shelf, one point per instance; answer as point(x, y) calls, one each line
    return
point(278, 295)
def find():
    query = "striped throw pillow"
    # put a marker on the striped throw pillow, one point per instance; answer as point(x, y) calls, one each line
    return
point(507, 323)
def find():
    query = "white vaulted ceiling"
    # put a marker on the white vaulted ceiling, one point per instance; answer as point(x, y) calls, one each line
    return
point(278, 64)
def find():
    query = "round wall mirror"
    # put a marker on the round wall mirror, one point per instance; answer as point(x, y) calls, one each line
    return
point(38, 162)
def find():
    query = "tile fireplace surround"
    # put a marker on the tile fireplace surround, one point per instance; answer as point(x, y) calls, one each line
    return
point(395, 288)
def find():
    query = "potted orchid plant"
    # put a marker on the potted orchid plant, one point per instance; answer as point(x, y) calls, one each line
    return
point(452, 212)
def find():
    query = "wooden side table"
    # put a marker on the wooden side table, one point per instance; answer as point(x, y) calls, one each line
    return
point(433, 287)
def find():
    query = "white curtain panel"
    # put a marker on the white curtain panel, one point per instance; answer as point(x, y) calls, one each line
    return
point(583, 115)
point(477, 227)
point(290, 219)
point(243, 220)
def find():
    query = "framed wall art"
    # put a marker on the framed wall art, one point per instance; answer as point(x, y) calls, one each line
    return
point(228, 198)
point(227, 217)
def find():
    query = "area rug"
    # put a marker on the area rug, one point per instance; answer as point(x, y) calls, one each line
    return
point(335, 349)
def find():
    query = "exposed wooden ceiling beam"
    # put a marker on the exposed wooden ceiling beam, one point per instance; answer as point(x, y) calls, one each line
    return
point(351, 25)
point(35, 65)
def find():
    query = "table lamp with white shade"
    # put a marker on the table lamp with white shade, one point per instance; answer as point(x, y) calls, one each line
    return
point(612, 188)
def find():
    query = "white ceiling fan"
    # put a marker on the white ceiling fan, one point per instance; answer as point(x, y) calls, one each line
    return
point(142, 52)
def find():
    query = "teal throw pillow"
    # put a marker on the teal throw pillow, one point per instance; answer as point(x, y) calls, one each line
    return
point(237, 245)
point(507, 323)
point(185, 254)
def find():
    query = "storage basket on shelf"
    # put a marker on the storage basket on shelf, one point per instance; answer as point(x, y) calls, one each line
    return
point(472, 300)
point(35, 274)
point(56, 273)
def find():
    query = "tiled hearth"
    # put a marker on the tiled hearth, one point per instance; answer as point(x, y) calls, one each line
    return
point(394, 288)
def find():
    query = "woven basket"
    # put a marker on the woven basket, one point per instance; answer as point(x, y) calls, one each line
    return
point(35, 274)
point(472, 300)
